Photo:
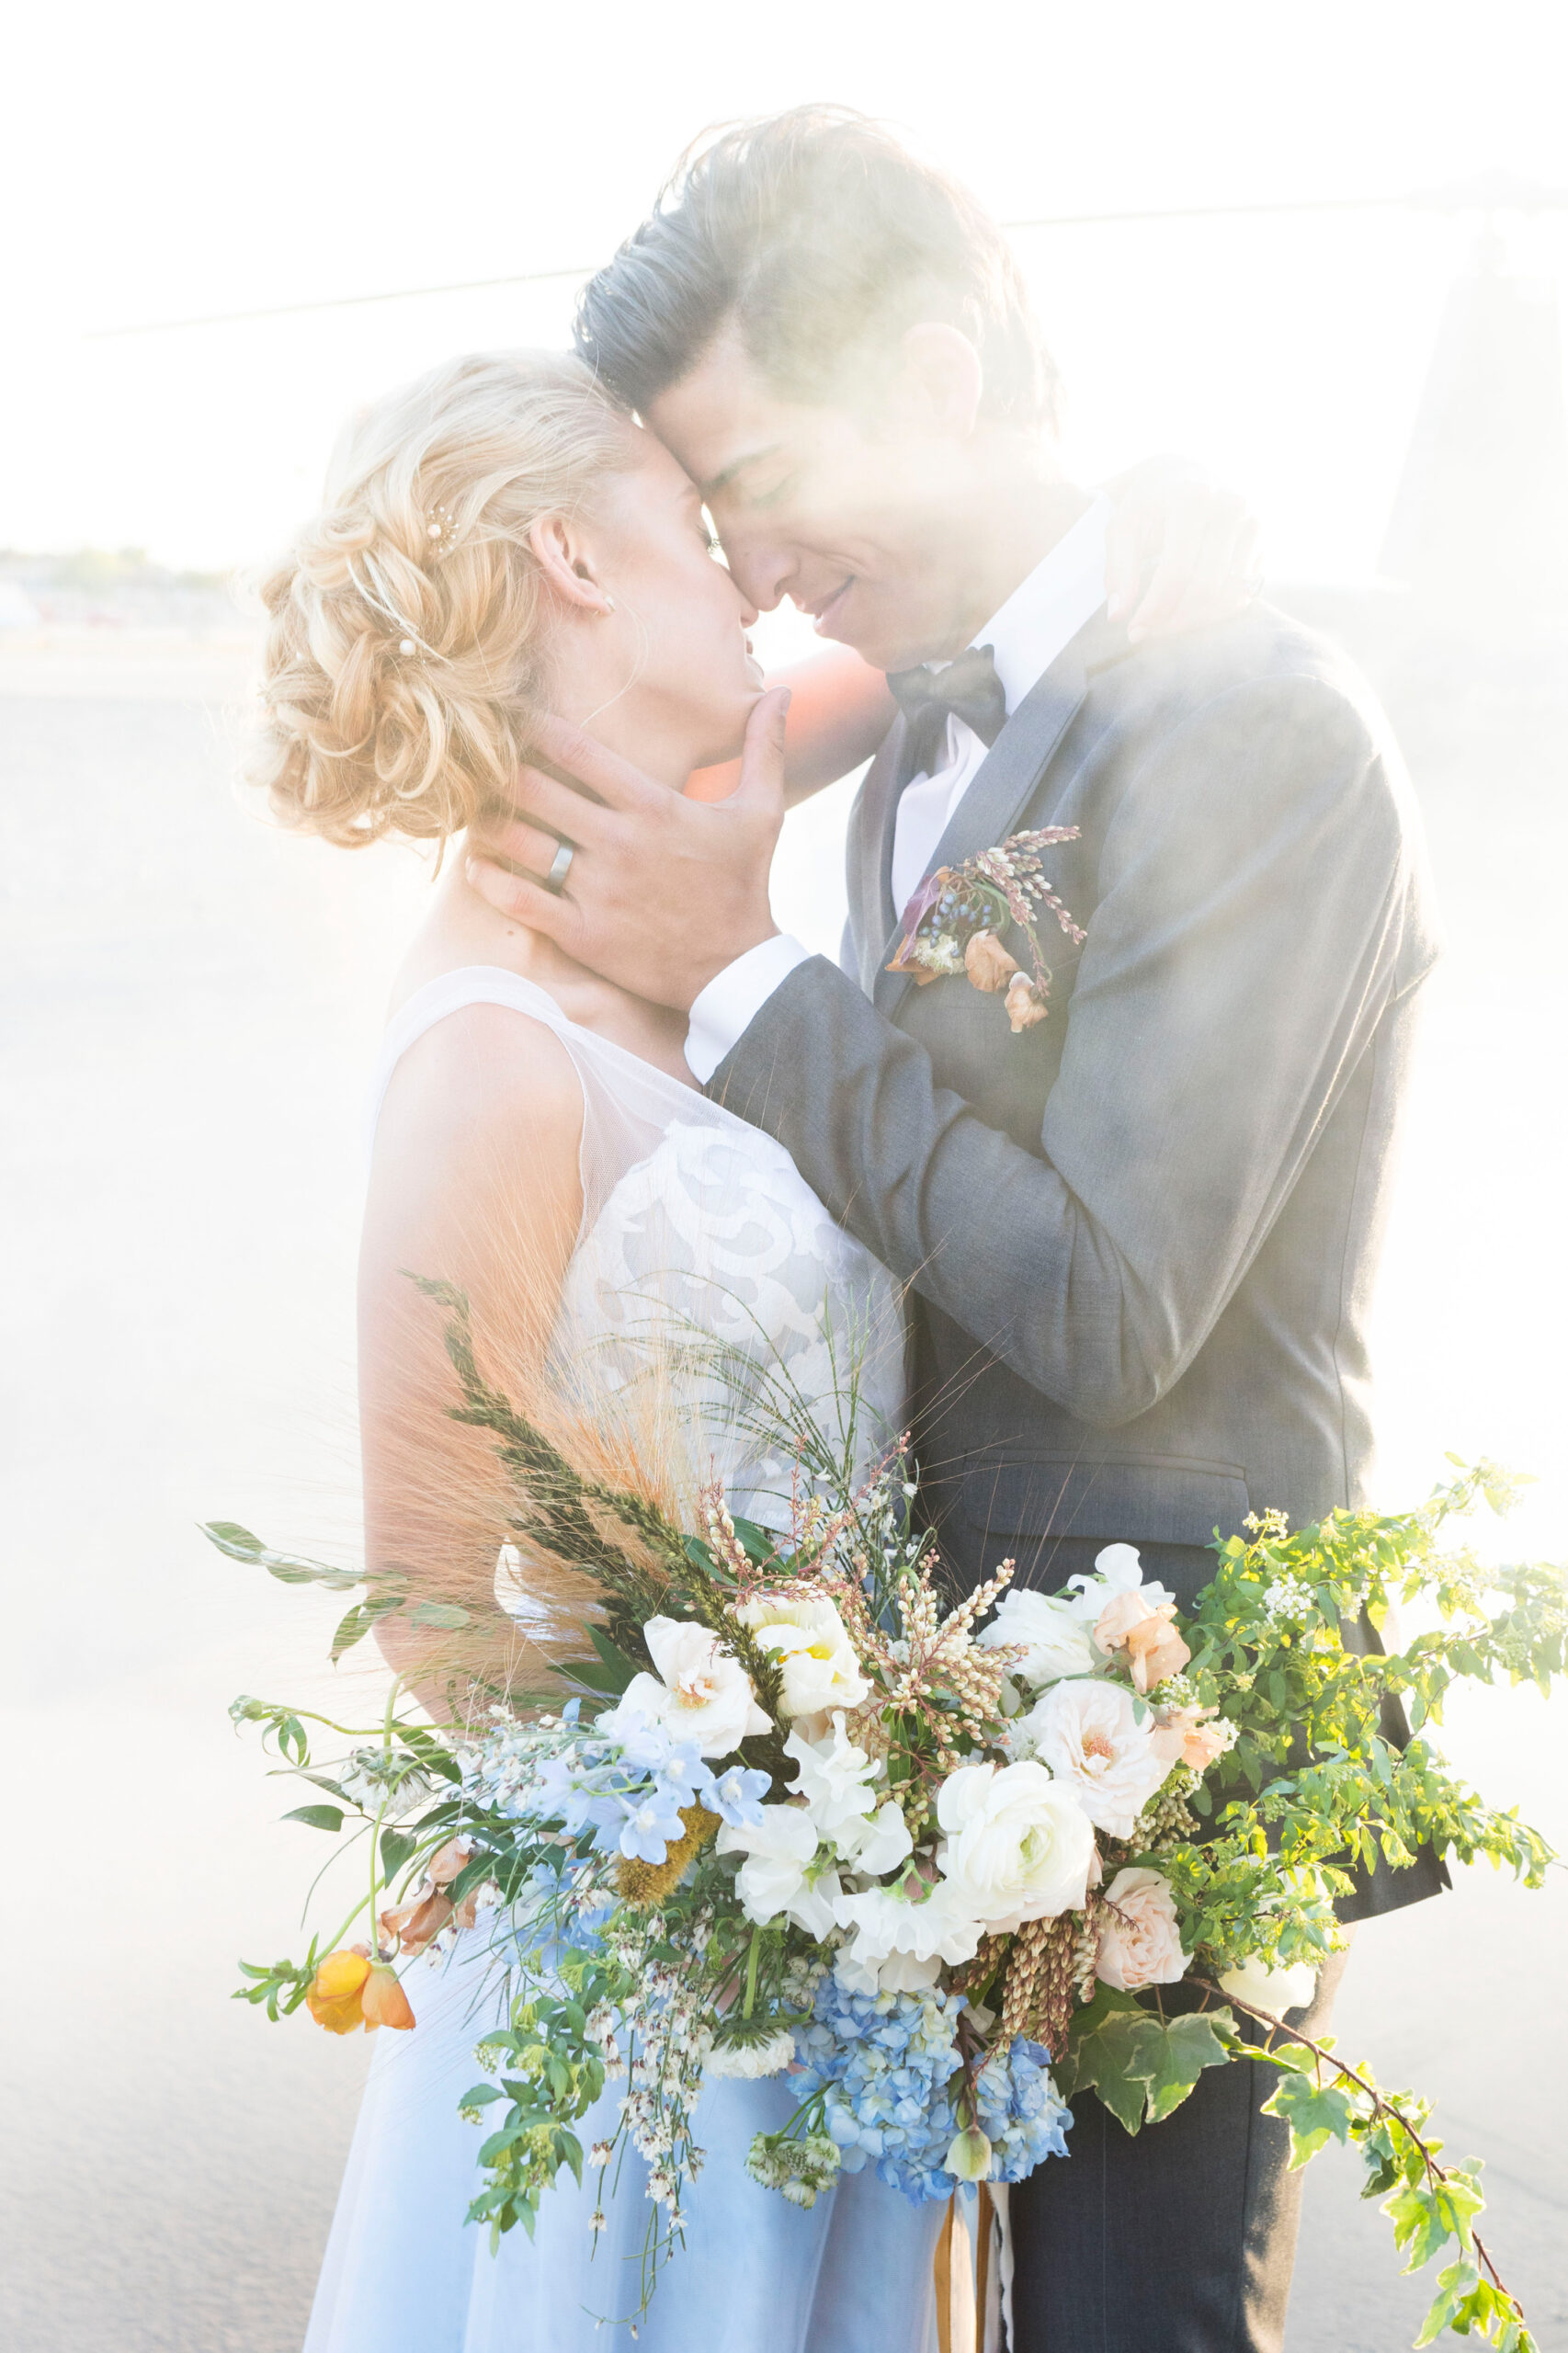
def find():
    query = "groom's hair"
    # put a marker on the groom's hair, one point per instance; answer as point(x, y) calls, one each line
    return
point(820, 241)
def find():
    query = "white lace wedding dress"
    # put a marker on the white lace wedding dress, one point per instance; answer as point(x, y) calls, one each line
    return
point(687, 1213)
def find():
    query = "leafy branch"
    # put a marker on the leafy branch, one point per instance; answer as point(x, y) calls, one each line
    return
point(1430, 2205)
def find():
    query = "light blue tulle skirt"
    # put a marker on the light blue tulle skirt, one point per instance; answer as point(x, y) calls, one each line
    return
point(404, 2273)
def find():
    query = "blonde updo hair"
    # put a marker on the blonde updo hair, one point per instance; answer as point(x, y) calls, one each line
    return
point(405, 648)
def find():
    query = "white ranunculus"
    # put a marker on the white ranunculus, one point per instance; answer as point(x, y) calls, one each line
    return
point(1139, 1938)
point(1091, 1736)
point(702, 1694)
point(1117, 1570)
point(1018, 1844)
point(898, 1945)
point(810, 1640)
point(773, 1880)
point(1050, 1631)
point(1274, 1990)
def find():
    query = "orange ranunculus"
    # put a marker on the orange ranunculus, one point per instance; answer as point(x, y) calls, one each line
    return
point(333, 2000)
point(383, 2000)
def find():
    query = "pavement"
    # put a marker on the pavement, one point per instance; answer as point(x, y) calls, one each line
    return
point(192, 1000)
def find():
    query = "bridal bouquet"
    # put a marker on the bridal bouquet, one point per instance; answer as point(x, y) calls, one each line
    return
point(942, 1862)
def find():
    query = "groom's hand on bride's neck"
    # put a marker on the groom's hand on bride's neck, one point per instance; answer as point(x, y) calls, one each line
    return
point(662, 891)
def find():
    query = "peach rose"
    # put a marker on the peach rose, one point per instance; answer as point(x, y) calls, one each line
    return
point(987, 963)
point(1140, 1943)
point(1185, 1736)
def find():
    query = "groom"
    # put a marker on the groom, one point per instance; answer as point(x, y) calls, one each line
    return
point(1142, 1233)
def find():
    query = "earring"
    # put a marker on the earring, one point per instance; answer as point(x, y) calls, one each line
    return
point(608, 608)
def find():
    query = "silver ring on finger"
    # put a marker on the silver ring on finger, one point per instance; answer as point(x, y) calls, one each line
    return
point(560, 867)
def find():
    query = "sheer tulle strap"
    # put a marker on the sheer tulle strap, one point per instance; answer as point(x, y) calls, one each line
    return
point(627, 1103)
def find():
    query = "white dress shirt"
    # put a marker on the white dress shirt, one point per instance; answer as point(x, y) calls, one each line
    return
point(1041, 617)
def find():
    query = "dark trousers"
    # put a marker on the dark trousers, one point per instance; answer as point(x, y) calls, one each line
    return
point(1179, 2239)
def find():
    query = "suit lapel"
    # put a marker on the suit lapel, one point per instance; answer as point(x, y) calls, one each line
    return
point(1003, 785)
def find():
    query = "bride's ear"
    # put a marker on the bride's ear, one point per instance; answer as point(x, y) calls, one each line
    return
point(569, 570)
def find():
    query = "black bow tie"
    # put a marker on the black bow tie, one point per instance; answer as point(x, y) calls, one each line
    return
point(969, 688)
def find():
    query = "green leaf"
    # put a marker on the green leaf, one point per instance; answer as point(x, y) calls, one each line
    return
point(1315, 2114)
point(1142, 2067)
point(356, 1623)
point(1427, 2216)
point(480, 2095)
point(318, 1817)
point(1192, 2043)
point(439, 1613)
point(396, 1848)
point(241, 1545)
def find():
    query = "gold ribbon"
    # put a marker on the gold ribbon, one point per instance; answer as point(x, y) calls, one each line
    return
point(962, 2281)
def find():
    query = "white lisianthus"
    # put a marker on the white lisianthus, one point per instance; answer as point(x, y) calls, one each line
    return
point(1091, 1736)
point(702, 1694)
point(1050, 1631)
point(897, 1946)
point(878, 1842)
point(748, 2061)
point(834, 1777)
point(810, 1640)
point(1274, 1990)
point(773, 1879)
point(1019, 1846)
point(1117, 1570)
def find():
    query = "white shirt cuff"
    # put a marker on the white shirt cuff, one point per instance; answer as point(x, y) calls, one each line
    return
point(733, 998)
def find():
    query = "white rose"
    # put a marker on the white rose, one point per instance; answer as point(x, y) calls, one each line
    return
point(809, 1638)
point(1090, 1735)
point(702, 1694)
point(773, 1879)
point(1274, 1990)
point(1018, 1846)
point(898, 1947)
point(1117, 1570)
point(1139, 1941)
point(1050, 1631)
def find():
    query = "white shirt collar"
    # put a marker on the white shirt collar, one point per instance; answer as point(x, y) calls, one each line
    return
point(1045, 611)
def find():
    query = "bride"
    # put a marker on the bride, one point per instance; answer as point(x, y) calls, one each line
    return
point(499, 541)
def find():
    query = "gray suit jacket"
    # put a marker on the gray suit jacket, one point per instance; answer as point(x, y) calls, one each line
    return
point(1140, 1236)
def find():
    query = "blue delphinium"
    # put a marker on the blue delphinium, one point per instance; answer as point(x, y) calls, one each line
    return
point(629, 1789)
point(889, 2069)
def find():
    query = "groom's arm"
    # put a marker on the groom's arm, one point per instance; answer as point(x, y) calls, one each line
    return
point(1251, 930)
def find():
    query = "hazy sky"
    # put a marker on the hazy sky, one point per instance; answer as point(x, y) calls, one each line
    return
point(176, 159)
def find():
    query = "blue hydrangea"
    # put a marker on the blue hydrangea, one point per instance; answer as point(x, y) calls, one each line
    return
point(888, 2066)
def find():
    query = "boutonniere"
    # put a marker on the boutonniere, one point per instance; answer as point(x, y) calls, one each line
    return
point(950, 925)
